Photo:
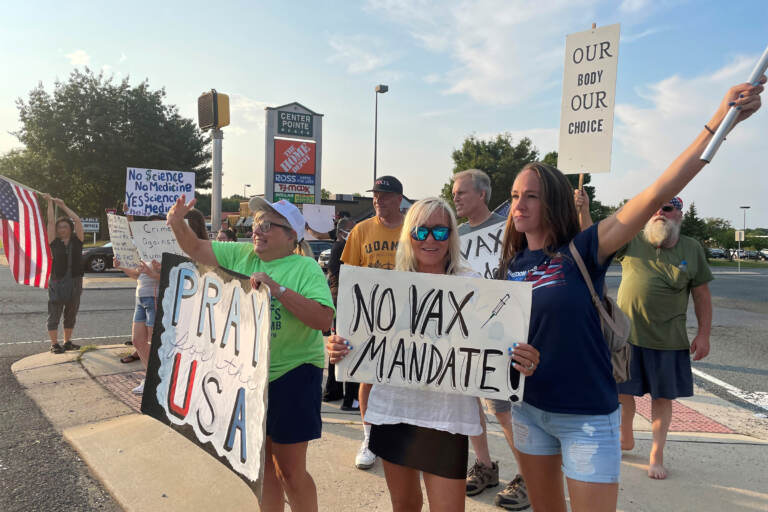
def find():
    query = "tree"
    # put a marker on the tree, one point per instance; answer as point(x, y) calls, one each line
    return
point(79, 140)
point(325, 194)
point(693, 226)
point(228, 204)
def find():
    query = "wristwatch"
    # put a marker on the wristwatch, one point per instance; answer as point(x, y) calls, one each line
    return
point(280, 291)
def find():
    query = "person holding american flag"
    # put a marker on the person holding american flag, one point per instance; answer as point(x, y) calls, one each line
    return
point(66, 285)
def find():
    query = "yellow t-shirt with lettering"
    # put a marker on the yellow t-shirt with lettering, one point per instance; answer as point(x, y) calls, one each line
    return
point(371, 244)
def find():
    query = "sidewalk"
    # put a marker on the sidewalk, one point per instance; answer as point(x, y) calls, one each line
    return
point(149, 467)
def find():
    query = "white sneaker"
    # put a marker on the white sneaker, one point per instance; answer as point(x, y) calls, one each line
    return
point(365, 457)
point(139, 390)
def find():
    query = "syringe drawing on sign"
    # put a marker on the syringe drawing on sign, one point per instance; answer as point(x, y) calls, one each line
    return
point(501, 304)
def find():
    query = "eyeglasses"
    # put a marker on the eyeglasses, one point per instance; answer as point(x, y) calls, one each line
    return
point(266, 225)
point(439, 233)
point(667, 208)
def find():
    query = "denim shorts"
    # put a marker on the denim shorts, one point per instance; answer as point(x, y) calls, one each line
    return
point(589, 444)
point(145, 311)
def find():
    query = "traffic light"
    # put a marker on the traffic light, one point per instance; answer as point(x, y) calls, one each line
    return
point(212, 110)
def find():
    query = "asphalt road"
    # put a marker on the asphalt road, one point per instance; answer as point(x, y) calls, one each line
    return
point(39, 471)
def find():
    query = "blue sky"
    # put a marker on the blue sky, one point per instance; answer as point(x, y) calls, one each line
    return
point(454, 69)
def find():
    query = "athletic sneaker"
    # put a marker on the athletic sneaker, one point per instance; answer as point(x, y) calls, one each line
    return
point(139, 390)
point(514, 496)
point(365, 457)
point(480, 477)
point(71, 346)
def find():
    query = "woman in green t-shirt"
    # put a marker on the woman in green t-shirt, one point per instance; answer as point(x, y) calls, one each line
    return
point(301, 309)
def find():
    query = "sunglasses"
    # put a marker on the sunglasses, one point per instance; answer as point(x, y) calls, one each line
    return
point(265, 226)
point(667, 208)
point(439, 233)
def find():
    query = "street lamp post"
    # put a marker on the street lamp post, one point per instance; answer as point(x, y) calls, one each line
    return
point(745, 208)
point(245, 185)
point(380, 89)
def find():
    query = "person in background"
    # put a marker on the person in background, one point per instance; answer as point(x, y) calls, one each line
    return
point(471, 194)
point(226, 235)
point(336, 390)
point(301, 309)
point(66, 240)
point(373, 243)
point(577, 432)
point(416, 431)
point(660, 268)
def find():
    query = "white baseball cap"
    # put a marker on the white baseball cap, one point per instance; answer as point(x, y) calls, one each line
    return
point(283, 208)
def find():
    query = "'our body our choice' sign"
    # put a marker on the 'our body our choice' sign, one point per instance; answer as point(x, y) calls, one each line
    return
point(482, 249)
point(153, 191)
point(209, 365)
point(589, 97)
point(435, 332)
point(153, 238)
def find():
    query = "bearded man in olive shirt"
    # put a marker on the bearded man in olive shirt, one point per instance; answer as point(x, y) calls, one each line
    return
point(659, 269)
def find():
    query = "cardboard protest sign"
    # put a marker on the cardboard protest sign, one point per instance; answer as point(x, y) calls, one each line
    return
point(209, 363)
point(482, 249)
point(319, 217)
point(154, 237)
point(122, 242)
point(153, 191)
point(589, 97)
point(435, 332)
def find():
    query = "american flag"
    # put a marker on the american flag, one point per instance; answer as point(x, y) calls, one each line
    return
point(23, 234)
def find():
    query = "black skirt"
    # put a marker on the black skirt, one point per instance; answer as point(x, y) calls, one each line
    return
point(429, 450)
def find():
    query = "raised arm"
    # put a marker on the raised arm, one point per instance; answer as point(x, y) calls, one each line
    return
point(72, 215)
point(50, 226)
point(618, 229)
point(198, 249)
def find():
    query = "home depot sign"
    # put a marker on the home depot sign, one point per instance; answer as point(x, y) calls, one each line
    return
point(293, 165)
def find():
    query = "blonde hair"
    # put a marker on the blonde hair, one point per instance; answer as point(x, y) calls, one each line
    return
point(304, 249)
point(416, 216)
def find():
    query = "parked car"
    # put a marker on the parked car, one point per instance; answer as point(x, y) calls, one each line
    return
point(318, 246)
point(751, 255)
point(763, 254)
point(714, 252)
point(98, 259)
point(323, 259)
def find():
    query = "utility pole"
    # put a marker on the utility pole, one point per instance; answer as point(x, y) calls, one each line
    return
point(217, 136)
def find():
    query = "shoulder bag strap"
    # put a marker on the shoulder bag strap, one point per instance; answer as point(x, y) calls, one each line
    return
point(587, 279)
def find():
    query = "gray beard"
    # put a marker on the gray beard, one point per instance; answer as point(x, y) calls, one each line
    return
point(663, 233)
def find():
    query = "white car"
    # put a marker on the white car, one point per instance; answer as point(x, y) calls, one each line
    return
point(323, 259)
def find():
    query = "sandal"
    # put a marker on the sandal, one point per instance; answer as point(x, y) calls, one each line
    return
point(129, 359)
point(57, 349)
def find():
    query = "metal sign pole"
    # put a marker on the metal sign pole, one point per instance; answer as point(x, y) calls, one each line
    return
point(217, 136)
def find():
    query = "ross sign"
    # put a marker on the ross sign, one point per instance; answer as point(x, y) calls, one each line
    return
point(153, 192)
point(122, 242)
point(482, 249)
point(433, 332)
point(153, 238)
point(209, 364)
point(589, 97)
point(90, 224)
point(293, 161)
point(294, 123)
point(295, 157)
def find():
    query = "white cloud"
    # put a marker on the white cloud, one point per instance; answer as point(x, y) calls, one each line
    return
point(647, 140)
point(123, 57)
point(505, 52)
point(631, 38)
point(634, 5)
point(78, 58)
point(359, 54)
point(247, 109)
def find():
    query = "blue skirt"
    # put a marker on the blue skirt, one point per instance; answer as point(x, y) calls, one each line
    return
point(662, 373)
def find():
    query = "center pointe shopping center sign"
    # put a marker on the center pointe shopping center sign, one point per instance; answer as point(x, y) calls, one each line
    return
point(293, 154)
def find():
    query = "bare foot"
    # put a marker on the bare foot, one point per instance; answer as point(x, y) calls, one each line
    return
point(657, 472)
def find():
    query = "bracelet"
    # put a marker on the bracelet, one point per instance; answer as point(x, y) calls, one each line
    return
point(706, 127)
